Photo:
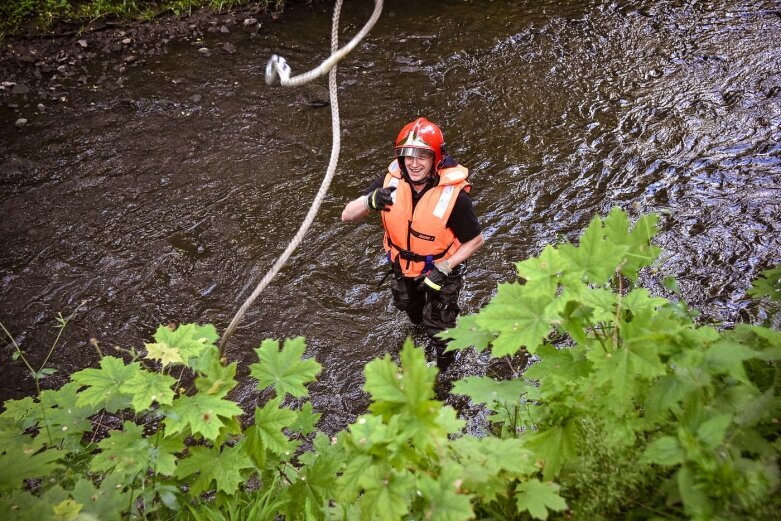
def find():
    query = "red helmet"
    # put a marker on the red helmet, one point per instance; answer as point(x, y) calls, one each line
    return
point(419, 138)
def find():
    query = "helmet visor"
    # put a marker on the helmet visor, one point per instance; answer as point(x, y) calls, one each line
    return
point(414, 152)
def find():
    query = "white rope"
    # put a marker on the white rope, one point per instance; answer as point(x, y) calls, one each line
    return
point(277, 67)
point(327, 66)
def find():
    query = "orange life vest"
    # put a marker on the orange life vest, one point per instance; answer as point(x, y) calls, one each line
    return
point(422, 237)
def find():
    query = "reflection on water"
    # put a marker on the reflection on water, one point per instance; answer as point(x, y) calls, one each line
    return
point(165, 199)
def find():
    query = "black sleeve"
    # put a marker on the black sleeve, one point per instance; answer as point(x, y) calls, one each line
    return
point(463, 220)
point(377, 183)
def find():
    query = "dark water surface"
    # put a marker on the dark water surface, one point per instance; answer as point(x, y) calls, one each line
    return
point(156, 206)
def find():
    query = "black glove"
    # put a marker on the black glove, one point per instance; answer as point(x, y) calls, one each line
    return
point(436, 276)
point(380, 199)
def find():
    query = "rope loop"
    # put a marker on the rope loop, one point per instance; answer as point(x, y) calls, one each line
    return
point(277, 67)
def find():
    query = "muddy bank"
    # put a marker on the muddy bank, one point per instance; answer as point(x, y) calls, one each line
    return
point(40, 73)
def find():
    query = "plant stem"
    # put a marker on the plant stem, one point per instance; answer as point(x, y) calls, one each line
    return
point(63, 324)
point(18, 350)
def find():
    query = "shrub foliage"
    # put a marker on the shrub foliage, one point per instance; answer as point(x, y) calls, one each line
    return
point(630, 411)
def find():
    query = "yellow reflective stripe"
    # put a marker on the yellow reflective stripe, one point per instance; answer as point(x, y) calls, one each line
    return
point(428, 282)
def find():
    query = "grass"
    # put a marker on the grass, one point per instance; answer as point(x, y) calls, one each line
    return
point(40, 16)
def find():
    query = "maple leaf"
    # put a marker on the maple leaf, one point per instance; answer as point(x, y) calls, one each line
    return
point(221, 467)
point(24, 412)
point(595, 258)
point(103, 385)
point(538, 498)
point(65, 421)
point(101, 502)
point(283, 368)
point(195, 344)
point(348, 484)
point(519, 319)
point(146, 387)
point(202, 414)
point(542, 272)
point(443, 499)
point(19, 462)
point(128, 452)
point(218, 380)
point(491, 462)
point(768, 284)
point(306, 420)
point(408, 387)
point(466, 334)
point(163, 352)
point(67, 510)
point(554, 446)
point(387, 493)
point(383, 379)
point(269, 422)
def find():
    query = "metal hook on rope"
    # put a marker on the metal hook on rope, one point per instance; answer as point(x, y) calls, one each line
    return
point(277, 67)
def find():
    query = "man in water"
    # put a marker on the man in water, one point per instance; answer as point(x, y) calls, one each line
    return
point(430, 228)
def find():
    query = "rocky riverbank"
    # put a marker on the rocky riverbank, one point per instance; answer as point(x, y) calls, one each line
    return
point(38, 74)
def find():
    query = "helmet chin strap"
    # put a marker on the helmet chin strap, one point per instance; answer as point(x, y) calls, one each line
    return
point(430, 177)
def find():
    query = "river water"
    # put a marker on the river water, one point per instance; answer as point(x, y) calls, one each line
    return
point(165, 196)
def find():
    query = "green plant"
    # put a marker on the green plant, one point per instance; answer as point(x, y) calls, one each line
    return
point(633, 410)
point(638, 390)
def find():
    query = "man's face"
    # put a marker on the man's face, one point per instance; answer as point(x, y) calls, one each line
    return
point(418, 168)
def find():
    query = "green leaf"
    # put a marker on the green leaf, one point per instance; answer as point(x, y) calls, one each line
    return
point(519, 319)
point(306, 420)
point(195, 344)
point(663, 395)
point(387, 494)
point(163, 352)
point(20, 461)
point(383, 379)
point(491, 463)
point(393, 388)
point(695, 499)
point(283, 368)
point(594, 259)
point(560, 363)
point(221, 467)
point(269, 422)
point(202, 414)
point(218, 380)
point(23, 413)
point(467, 333)
point(713, 430)
point(484, 389)
point(129, 454)
point(145, 387)
point(103, 385)
point(727, 357)
point(368, 431)
point(444, 500)
point(101, 502)
point(554, 447)
point(66, 421)
point(542, 272)
point(349, 483)
point(664, 451)
point(538, 498)
point(66, 510)
point(768, 284)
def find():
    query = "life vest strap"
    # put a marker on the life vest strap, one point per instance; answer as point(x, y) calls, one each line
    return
point(416, 257)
